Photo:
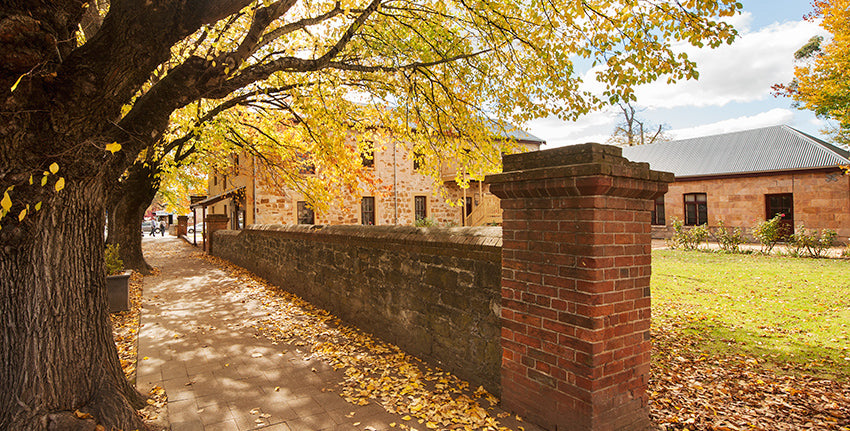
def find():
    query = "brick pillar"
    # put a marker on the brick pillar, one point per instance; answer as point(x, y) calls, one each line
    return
point(182, 224)
point(214, 222)
point(575, 286)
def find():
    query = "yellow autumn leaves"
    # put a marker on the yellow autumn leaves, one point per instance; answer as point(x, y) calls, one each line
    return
point(375, 371)
point(6, 202)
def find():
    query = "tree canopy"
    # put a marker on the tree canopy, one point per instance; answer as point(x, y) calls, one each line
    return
point(820, 78)
point(444, 65)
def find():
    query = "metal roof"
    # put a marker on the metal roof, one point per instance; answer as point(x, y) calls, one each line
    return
point(768, 149)
point(509, 131)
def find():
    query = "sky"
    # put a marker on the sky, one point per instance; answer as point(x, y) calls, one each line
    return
point(733, 91)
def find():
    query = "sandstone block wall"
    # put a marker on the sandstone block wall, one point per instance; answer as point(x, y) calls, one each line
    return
point(821, 200)
point(432, 291)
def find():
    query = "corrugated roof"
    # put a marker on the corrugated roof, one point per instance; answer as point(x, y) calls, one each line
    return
point(774, 148)
point(509, 131)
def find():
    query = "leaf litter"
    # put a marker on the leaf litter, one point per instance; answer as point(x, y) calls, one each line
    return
point(125, 332)
point(692, 389)
point(689, 389)
point(374, 371)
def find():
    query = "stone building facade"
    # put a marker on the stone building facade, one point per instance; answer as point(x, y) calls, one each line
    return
point(401, 195)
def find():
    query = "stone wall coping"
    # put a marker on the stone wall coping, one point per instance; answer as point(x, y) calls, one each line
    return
point(474, 236)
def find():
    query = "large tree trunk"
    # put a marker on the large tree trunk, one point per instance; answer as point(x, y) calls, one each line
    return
point(57, 354)
point(135, 195)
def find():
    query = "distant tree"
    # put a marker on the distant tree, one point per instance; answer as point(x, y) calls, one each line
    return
point(632, 130)
point(820, 77)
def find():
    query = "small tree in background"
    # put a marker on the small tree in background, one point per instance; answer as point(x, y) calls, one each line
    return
point(820, 81)
point(632, 130)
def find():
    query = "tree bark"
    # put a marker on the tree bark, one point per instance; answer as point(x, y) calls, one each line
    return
point(57, 354)
point(134, 196)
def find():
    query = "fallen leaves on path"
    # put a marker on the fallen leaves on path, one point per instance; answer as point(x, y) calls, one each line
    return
point(374, 371)
point(125, 331)
point(125, 328)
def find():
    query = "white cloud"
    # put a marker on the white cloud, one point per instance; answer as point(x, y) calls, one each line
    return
point(763, 119)
point(741, 72)
point(593, 127)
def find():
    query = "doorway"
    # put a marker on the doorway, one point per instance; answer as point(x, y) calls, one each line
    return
point(781, 204)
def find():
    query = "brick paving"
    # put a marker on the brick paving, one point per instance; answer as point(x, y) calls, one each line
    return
point(196, 341)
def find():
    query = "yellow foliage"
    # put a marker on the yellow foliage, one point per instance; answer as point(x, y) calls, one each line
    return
point(822, 80)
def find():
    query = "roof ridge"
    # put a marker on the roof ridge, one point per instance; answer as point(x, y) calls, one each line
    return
point(826, 146)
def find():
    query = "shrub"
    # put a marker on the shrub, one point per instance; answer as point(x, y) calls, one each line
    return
point(425, 222)
point(112, 262)
point(729, 240)
point(813, 243)
point(768, 233)
point(685, 238)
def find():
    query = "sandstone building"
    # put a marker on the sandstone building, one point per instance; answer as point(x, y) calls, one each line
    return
point(745, 177)
point(402, 195)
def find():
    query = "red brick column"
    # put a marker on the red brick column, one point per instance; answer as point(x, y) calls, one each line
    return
point(214, 222)
point(575, 286)
point(182, 224)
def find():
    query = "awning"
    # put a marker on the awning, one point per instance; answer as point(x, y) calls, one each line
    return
point(218, 198)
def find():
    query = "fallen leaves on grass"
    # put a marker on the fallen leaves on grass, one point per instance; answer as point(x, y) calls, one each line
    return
point(691, 389)
point(374, 370)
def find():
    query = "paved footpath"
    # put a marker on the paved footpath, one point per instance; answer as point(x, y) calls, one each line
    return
point(196, 341)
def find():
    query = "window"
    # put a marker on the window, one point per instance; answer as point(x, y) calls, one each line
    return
point(305, 213)
point(367, 210)
point(696, 209)
point(420, 207)
point(215, 180)
point(305, 164)
point(417, 159)
point(367, 157)
point(658, 212)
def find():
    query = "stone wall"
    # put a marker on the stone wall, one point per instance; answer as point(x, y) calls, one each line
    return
point(432, 291)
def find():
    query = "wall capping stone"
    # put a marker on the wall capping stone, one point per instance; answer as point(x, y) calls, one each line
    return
point(483, 236)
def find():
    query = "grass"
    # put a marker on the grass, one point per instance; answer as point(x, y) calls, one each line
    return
point(784, 310)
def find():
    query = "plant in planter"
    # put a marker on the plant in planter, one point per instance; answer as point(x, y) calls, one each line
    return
point(117, 280)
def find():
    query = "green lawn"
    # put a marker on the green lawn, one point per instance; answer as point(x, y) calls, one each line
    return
point(781, 309)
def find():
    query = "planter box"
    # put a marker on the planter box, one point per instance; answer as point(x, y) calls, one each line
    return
point(118, 291)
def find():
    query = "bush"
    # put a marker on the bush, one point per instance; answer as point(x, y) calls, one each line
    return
point(688, 239)
point(813, 243)
point(112, 262)
point(729, 240)
point(768, 233)
point(425, 222)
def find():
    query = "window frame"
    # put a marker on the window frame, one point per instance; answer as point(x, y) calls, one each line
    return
point(658, 218)
point(363, 211)
point(417, 214)
point(367, 156)
point(698, 207)
point(301, 207)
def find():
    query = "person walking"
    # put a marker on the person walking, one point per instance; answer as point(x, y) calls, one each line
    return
point(162, 227)
point(153, 228)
